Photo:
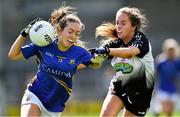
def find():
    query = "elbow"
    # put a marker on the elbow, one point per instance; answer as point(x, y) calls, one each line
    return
point(11, 56)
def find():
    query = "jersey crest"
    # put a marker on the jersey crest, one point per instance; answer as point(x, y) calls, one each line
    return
point(125, 68)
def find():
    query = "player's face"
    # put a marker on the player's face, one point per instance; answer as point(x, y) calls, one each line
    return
point(124, 28)
point(70, 34)
point(171, 53)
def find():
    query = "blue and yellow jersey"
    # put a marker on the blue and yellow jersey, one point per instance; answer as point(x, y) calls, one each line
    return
point(168, 73)
point(53, 81)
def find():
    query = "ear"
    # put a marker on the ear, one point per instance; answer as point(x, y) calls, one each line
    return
point(134, 28)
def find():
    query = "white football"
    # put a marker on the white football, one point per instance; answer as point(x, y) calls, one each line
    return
point(42, 33)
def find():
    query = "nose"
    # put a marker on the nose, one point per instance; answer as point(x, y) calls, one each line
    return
point(73, 36)
point(118, 27)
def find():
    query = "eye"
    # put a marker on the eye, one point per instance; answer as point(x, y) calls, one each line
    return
point(124, 22)
point(117, 23)
point(70, 32)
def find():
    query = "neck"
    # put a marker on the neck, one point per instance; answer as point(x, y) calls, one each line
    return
point(62, 47)
point(128, 38)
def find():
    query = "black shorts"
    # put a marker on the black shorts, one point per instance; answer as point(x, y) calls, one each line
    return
point(136, 96)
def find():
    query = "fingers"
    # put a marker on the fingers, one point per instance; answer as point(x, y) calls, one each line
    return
point(103, 55)
point(25, 31)
point(97, 59)
point(34, 21)
point(92, 50)
point(101, 50)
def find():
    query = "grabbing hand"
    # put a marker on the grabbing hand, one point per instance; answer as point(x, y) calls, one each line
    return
point(101, 50)
point(25, 31)
point(92, 51)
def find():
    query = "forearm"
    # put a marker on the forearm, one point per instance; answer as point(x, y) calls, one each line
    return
point(120, 52)
point(124, 52)
point(15, 51)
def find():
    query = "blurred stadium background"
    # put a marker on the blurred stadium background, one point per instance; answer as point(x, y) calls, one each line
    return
point(90, 86)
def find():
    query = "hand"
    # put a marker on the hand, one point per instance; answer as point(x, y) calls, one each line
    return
point(101, 50)
point(92, 51)
point(25, 31)
point(98, 58)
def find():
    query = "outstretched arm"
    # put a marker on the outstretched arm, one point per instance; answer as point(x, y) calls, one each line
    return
point(94, 62)
point(126, 52)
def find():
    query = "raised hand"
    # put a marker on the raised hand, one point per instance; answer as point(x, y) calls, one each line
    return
point(25, 31)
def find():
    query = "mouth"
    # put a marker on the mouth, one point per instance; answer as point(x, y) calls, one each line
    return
point(71, 41)
point(119, 32)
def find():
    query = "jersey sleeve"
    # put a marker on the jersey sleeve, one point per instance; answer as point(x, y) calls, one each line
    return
point(29, 50)
point(142, 43)
point(177, 62)
point(85, 58)
point(158, 67)
point(113, 44)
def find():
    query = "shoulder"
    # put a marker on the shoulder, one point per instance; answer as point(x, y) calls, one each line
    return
point(139, 36)
point(114, 43)
point(52, 44)
point(177, 60)
point(160, 58)
point(79, 49)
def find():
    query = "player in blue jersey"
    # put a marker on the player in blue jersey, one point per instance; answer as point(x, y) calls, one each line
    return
point(49, 90)
point(168, 72)
point(133, 82)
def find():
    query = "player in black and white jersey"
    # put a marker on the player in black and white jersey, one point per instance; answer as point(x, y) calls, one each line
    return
point(132, 86)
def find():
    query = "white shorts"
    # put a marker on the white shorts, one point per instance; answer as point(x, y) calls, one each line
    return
point(164, 96)
point(30, 98)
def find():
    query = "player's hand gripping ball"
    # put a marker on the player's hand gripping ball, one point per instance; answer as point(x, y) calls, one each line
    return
point(42, 33)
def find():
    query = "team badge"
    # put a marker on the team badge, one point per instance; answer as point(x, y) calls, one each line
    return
point(72, 61)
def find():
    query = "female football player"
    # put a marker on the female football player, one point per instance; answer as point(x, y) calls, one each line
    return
point(48, 91)
point(167, 71)
point(132, 85)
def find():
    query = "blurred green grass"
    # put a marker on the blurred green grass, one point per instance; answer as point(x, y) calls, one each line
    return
point(93, 108)
point(79, 108)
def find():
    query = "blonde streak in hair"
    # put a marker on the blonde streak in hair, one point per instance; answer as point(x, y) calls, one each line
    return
point(104, 42)
point(60, 11)
point(54, 16)
point(106, 30)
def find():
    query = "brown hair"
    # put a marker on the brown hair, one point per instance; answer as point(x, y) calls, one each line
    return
point(65, 14)
point(108, 29)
